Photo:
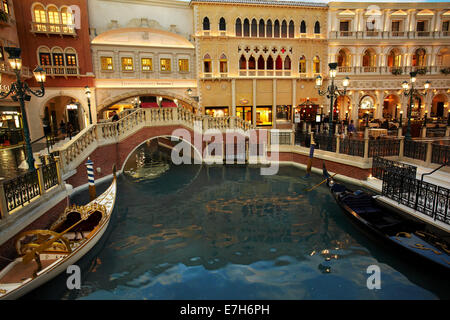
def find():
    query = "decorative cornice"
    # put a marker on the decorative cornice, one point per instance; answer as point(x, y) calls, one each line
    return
point(278, 3)
point(161, 3)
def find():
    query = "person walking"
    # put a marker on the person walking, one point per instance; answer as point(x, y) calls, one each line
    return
point(69, 130)
point(62, 127)
point(351, 128)
point(115, 116)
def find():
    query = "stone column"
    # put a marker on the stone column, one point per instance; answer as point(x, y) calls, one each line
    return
point(379, 105)
point(233, 97)
point(366, 143)
point(274, 103)
point(254, 103)
point(294, 98)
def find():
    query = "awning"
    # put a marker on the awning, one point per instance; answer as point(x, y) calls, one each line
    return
point(149, 105)
point(168, 104)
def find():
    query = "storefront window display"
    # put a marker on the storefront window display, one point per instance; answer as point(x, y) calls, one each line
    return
point(216, 111)
point(264, 116)
point(10, 127)
point(284, 113)
point(245, 113)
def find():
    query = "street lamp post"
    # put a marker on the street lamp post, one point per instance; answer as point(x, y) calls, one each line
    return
point(88, 95)
point(331, 92)
point(20, 91)
point(412, 93)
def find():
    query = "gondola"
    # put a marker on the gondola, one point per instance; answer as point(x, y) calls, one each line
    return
point(44, 254)
point(411, 237)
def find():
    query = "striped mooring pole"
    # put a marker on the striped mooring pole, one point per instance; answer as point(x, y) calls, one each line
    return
point(90, 173)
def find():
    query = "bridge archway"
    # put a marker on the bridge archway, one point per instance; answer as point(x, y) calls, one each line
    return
point(128, 98)
point(196, 155)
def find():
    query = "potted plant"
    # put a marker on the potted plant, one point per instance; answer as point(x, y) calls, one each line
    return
point(445, 71)
point(422, 71)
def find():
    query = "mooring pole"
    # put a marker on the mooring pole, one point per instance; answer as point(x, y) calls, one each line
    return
point(311, 155)
point(90, 173)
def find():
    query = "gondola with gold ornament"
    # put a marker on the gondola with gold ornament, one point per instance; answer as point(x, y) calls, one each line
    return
point(43, 254)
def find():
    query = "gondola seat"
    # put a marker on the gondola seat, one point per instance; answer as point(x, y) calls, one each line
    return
point(338, 188)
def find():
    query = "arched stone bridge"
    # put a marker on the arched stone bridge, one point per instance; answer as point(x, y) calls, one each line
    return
point(112, 142)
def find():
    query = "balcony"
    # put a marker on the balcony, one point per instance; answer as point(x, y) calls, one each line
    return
point(62, 71)
point(345, 69)
point(394, 70)
point(423, 33)
point(397, 34)
point(251, 73)
point(265, 73)
point(388, 34)
point(56, 29)
point(6, 69)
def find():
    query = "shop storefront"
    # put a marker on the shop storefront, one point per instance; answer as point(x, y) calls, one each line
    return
point(264, 116)
point(10, 126)
point(245, 113)
point(284, 113)
point(216, 111)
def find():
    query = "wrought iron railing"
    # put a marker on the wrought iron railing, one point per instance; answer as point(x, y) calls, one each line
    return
point(415, 150)
point(424, 197)
point(50, 175)
point(302, 138)
point(440, 153)
point(325, 142)
point(352, 147)
point(384, 147)
point(380, 165)
point(21, 189)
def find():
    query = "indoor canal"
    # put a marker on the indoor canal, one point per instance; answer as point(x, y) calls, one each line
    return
point(226, 232)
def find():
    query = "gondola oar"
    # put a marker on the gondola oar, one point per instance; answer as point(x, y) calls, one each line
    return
point(310, 189)
point(311, 156)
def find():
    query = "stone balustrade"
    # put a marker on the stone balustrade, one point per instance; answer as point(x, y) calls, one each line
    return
point(75, 151)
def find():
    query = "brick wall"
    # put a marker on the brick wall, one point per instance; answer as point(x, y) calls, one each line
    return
point(343, 169)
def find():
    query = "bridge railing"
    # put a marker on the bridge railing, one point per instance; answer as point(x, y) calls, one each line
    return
point(75, 151)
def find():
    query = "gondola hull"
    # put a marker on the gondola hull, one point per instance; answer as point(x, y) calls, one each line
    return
point(389, 227)
point(57, 263)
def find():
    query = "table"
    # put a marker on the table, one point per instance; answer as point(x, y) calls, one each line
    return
point(377, 132)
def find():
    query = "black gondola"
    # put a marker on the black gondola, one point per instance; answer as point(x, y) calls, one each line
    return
point(402, 233)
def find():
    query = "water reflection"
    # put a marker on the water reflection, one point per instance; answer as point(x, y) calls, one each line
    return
point(149, 161)
point(226, 232)
point(10, 160)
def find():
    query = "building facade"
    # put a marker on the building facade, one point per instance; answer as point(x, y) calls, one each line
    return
point(142, 54)
point(10, 113)
point(255, 59)
point(258, 59)
point(55, 35)
point(378, 45)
